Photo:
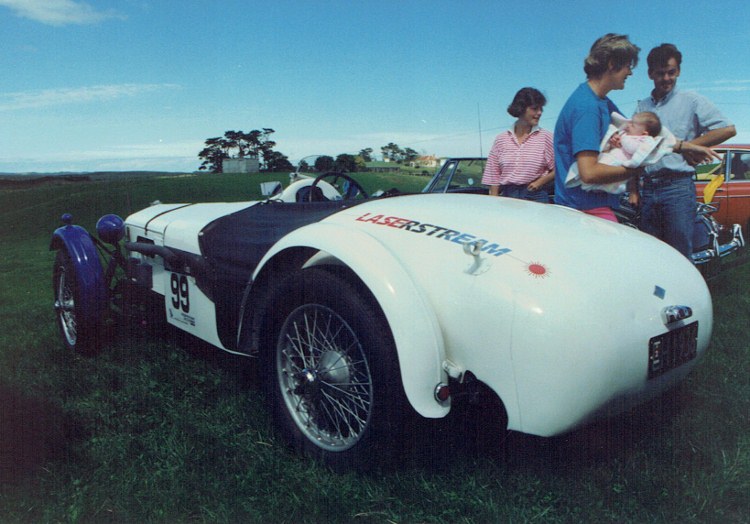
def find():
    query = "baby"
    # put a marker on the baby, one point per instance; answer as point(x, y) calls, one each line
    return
point(633, 143)
point(642, 129)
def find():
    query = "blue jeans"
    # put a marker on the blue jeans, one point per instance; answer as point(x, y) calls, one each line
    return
point(668, 211)
point(522, 192)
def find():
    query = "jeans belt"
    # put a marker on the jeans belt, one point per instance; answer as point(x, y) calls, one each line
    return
point(664, 177)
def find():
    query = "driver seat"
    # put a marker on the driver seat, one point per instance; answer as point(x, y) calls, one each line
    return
point(310, 194)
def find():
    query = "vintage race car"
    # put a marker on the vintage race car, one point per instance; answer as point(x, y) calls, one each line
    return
point(367, 312)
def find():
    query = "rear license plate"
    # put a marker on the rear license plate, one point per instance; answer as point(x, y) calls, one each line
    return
point(672, 349)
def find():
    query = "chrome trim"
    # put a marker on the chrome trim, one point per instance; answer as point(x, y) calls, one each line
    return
point(720, 250)
point(672, 314)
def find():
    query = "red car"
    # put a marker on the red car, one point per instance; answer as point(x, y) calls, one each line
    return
point(733, 196)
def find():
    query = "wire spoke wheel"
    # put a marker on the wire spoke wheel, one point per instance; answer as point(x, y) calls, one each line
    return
point(332, 375)
point(79, 317)
point(65, 303)
point(324, 377)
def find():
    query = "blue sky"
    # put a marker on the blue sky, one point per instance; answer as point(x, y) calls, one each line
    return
point(141, 84)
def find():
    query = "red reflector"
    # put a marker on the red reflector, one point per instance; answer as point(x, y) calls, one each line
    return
point(442, 393)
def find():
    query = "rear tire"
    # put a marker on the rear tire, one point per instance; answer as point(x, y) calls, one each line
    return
point(79, 334)
point(331, 372)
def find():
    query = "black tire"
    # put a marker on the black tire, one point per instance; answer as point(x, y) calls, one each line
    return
point(78, 334)
point(331, 372)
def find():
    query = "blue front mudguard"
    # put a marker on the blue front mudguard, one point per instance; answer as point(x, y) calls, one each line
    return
point(92, 297)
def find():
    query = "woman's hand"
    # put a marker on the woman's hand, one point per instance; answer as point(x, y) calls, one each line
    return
point(536, 185)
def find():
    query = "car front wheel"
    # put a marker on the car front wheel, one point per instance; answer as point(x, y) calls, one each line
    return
point(78, 333)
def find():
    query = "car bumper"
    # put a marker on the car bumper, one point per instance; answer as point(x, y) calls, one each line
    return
point(717, 250)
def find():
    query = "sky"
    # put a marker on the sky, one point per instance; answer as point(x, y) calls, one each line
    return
point(121, 85)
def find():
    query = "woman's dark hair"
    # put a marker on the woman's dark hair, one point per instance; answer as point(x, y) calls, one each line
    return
point(526, 97)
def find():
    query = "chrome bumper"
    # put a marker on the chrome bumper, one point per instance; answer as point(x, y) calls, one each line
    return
point(720, 250)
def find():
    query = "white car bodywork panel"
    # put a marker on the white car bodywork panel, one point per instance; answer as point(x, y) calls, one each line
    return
point(178, 226)
point(556, 313)
point(551, 308)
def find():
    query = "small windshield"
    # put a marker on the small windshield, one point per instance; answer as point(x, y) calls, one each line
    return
point(458, 175)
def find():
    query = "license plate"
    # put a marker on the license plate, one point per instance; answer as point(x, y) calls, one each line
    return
point(672, 349)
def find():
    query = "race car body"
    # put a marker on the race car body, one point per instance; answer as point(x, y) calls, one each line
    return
point(363, 311)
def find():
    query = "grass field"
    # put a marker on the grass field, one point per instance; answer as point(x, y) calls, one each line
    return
point(162, 429)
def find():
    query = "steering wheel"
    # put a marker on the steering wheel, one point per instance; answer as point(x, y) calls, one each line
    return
point(352, 188)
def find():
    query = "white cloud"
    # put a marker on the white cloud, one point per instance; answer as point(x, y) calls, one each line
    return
point(74, 95)
point(59, 12)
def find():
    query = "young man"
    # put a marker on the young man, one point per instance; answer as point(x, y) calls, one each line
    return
point(668, 195)
point(583, 122)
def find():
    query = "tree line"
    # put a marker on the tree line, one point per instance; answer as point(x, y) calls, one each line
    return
point(258, 144)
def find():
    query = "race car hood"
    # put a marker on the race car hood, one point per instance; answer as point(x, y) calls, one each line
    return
point(178, 225)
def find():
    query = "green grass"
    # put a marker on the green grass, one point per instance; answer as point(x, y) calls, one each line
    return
point(159, 428)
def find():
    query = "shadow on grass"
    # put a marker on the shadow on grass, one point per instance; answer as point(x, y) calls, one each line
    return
point(32, 431)
point(469, 436)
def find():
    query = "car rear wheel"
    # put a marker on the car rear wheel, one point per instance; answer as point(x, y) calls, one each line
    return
point(78, 332)
point(332, 372)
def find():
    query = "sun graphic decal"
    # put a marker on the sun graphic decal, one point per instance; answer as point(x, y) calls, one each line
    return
point(537, 270)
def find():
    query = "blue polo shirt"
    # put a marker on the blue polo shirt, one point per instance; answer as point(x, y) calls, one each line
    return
point(581, 125)
point(687, 115)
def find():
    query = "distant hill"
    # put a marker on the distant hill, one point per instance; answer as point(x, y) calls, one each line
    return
point(20, 180)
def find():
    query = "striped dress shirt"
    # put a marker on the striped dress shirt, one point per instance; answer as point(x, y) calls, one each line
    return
point(511, 163)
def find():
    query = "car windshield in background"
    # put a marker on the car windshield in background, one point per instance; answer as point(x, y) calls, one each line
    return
point(459, 175)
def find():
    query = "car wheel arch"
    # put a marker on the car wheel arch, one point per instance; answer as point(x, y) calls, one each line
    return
point(417, 335)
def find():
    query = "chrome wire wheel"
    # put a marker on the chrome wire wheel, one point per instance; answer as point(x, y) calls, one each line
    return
point(324, 377)
point(65, 303)
point(79, 317)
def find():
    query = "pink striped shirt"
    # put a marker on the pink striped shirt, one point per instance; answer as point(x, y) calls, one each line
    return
point(512, 163)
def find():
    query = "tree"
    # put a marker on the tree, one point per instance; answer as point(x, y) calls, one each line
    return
point(366, 154)
point(361, 163)
point(410, 155)
point(278, 162)
point(345, 162)
point(392, 153)
point(237, 144)
point(213, 155)
point(324, 163)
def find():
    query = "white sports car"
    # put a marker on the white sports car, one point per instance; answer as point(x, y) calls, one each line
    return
point(366, 311)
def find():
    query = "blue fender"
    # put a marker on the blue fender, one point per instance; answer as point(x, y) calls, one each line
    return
point(92, 298)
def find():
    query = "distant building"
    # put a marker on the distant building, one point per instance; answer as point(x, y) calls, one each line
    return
point(240, 165)
point(426, 161)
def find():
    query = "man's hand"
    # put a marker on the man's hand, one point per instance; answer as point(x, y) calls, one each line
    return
point(695, 154)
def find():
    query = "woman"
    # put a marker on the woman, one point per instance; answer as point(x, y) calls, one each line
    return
point(521, 161)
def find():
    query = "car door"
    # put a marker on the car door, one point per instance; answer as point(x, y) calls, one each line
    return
point(737, 187)
point(705, 174)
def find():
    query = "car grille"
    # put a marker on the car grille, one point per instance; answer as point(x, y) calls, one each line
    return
point(672, 349)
